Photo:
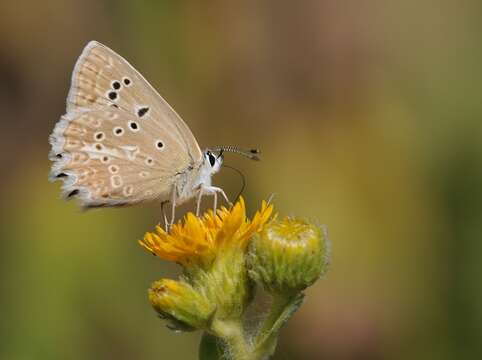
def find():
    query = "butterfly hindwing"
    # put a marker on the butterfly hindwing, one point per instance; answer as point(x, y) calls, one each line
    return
point(107, 157)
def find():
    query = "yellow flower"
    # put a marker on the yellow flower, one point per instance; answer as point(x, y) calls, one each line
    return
point(198, 240)
point(181, 304)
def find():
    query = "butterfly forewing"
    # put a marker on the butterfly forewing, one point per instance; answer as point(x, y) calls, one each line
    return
point(101, 77)
point(119, 143)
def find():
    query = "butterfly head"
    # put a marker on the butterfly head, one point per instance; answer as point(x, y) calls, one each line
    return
point(213, 160)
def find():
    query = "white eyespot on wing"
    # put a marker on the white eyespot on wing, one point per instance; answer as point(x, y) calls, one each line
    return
point(115, 85)
point(133, 126)
point(159, 144)
point(131, 151)
point(72, 144)
point(113, 169)
point(116, 181)
point(76, 131)
point(126, 81)
point(112, 95)
point(105, 159)
point(78, 158)
point(118, 131)
point(149, 161)
point(128, 190)
point(99, 136)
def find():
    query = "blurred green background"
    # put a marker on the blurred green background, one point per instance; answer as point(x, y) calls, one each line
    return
point(368, 115)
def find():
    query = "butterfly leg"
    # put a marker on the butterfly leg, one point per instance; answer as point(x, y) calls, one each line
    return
point(270, 198)
point(213, 190)
point(198, 201)
point(173, 206)
point(163, 215)
point(221, 191)
point(215, 204)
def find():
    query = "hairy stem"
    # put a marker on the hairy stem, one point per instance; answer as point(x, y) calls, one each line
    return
point(282, 308)
point(236, 343)
point(232, 334)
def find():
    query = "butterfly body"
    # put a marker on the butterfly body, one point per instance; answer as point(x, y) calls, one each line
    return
point(120, 143)
point(197, 178)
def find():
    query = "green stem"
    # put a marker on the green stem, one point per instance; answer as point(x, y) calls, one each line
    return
point(234, 339)
point(282, 308)
point(232, 334)
point(210, 348)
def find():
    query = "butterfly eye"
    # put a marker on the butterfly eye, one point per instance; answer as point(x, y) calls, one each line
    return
point(212, 159)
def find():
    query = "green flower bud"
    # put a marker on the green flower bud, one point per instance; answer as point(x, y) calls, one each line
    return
point(226, 284)
point(184, 307)
point(288, 255)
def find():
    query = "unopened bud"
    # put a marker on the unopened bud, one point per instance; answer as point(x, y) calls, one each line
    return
point(288, 255)
point(181, 304)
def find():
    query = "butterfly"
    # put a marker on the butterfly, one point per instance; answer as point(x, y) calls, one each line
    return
point(120, 143)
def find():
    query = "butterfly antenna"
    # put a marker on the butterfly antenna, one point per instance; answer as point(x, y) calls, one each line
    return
point(250, 154)
point(243, 179)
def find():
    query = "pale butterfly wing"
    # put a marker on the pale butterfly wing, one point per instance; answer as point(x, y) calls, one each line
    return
point(108, 158)
point(101, 77)
point(120, 149)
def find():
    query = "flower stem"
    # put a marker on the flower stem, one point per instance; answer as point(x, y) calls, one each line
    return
point(210, 348)
point(282, 308)
point(232, 334)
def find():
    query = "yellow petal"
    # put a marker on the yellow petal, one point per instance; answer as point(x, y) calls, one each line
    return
point(199, 240)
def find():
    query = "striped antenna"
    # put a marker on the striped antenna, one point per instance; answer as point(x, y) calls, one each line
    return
point(250, 154)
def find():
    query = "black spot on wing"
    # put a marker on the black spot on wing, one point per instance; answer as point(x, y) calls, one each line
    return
point(72, 193)
point(142, 111)
point(104, 205)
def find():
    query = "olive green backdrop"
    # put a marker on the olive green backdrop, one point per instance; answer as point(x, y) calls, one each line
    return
point(369, 117)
